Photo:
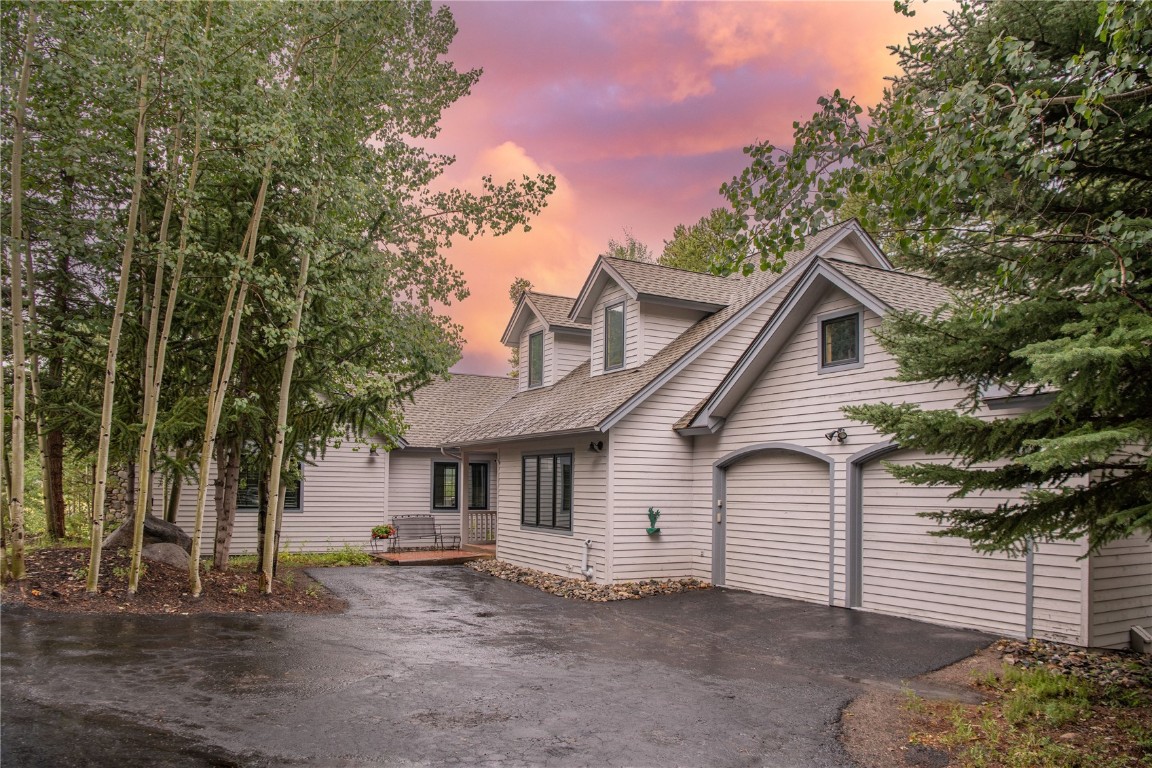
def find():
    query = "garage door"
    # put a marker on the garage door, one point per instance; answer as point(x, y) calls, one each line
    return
point(906, 572)
point(777, 526)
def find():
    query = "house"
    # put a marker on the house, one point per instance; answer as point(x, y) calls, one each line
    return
point(356, 483)
point(717, 402)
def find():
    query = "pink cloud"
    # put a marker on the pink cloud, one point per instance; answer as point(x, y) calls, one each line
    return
point(641, 110)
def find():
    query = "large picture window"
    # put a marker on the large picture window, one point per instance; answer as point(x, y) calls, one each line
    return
point(478, 486)
point(445, 485)
point(248, 489)
point(536, 359)
point(546, 491)
point(614, 336)
point(840, 341)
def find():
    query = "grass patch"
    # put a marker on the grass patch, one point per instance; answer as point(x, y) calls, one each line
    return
point(1039, 718)
point(345, 556)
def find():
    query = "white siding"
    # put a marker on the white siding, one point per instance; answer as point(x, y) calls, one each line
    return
point(907, 572)
point(1121, 589)
point(558, 552)
point(614, 294)
point(410, 482)
point(656, 467)
point(846, 252)
point(793, 403)
point(777, 526)
point(342, 497)
point(570, 350)
point(661, 325)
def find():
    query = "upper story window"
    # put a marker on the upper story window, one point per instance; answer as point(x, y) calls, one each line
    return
point(841, 341)
point(536, 359)
point(614, 336)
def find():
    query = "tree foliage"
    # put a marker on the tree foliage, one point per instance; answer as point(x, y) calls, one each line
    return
point(333, 105)
point(696, 247)
point(629, 248)
point(1012, 162)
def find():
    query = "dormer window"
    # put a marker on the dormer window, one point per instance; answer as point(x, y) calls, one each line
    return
point(536, 359)
point(614, 336)
point(841, 342)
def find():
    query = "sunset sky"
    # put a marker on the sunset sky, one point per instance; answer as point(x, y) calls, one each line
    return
point(641, 111)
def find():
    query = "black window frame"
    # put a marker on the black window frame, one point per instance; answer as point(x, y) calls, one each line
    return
point(536, 361)
point(608, 364)
point(484, 484)
point(561, 484)
point(249, 474)
point(438, 485)
point(826, 322)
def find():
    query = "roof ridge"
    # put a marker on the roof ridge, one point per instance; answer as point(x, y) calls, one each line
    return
point(663, 266)
point(550, 295)
point(478, 375)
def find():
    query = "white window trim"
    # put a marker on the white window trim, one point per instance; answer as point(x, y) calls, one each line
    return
point(825, 317)
point(540, 383)
point(623, 335)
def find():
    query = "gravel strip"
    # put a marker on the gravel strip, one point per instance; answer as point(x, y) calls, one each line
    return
point(1126, 669)
point(578, 589)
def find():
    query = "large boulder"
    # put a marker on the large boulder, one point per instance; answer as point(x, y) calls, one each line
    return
point(165, 552)
point(156, 531)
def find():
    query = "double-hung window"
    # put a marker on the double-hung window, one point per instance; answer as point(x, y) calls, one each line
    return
point(536, 359)
point(840, 342)
point(445, 485)
point(248, 489)
point(546, 491)
point(614, 336)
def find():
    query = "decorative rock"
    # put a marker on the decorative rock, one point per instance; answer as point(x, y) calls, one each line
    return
point(156, 531)
point(164, 552)
point(1126, 669)
point(578, 589)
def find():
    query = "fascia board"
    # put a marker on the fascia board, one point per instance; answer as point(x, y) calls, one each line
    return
point(853, 228)
point(534, 437)
point(690, 356)
point(668, 301)
point(732, 388)
point(512, 331)
point(600, 274)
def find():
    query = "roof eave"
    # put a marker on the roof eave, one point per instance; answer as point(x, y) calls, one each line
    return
point(675, 301)
point(522, 437)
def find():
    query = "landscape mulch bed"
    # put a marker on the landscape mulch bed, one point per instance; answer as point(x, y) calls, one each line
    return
point(57, 582)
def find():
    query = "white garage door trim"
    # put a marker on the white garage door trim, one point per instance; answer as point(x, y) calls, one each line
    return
point(720, 512)
point(855, 533)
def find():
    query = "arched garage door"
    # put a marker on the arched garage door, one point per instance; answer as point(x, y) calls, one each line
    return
point(905, 572)
point(776, 541)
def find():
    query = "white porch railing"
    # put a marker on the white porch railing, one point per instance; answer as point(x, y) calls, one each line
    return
point(481, 527)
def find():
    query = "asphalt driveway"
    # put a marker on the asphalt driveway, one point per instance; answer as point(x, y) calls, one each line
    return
point(443, 666)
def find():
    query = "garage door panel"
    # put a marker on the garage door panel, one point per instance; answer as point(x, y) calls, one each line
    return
point(907, 572)
point(777, 526)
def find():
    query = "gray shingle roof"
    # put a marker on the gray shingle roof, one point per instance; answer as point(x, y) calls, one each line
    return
point(656, 280)
point(555, 310)
point(442, 406)
point(899, 290)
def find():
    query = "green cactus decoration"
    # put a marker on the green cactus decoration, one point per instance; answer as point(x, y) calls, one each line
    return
point(653, 516)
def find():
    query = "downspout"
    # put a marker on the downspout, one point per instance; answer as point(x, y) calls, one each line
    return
point(585, 566)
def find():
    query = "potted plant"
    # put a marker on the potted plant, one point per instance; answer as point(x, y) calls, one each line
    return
point(382, 531)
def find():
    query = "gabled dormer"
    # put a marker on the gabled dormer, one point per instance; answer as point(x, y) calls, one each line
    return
point(635, 309)
point(551, 344)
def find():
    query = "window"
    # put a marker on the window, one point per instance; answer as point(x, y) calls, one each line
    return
point(614, 336)
point(477, 486)
point(546, 491)
point(840, 341)
point(445, 485)
point(536, 359)
point(248, 491)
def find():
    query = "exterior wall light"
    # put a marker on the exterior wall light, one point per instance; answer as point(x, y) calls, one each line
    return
point(837, 434)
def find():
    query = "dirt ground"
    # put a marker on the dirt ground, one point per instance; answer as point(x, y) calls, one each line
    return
point(57, 582)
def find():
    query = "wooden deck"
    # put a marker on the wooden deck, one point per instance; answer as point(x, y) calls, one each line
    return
point(437, 556)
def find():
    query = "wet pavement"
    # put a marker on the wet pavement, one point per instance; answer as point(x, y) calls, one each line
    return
point(443, 666)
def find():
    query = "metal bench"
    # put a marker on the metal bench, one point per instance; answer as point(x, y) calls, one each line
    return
point(420, 532)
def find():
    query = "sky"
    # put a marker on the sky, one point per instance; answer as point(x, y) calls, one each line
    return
point(641, 110)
